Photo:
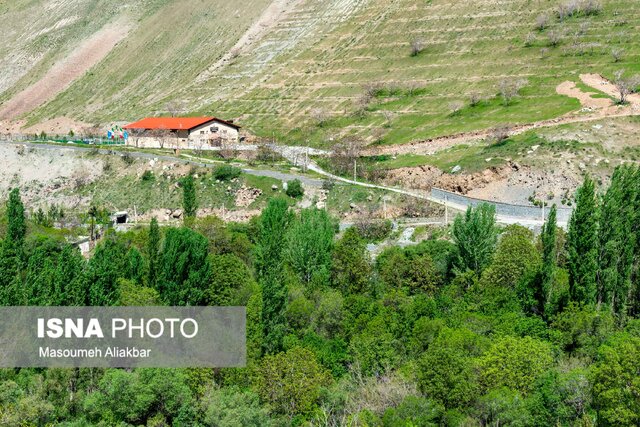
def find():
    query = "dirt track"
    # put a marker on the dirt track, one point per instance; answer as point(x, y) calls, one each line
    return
point(593, 109)
point(61, 75)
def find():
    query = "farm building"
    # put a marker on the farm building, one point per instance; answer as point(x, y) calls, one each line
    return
point(181, 132)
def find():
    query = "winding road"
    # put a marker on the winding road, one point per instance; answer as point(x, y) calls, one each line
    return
point(298, 156)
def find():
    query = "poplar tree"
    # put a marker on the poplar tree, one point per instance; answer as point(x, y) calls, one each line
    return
point(71, 288)
point(153, 252)
point(16, 222)
point(476, 236)
point(309, 243)
point(549, 255)
point(11, 286)
point(189, 200)
point(185, 270)
point(582, 245)
point(274, 222)
point(617, 239)
point(108, 263)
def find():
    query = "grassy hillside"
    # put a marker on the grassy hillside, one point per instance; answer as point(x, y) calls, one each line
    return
point(334, 68)
point(361, 78)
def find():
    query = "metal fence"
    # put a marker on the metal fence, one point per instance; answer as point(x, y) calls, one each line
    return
point(515, 211)
point(61, 139)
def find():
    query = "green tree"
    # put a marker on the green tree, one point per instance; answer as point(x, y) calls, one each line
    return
point(189, 200)
point(515, 255)
point(153, 253)
point(616, 384)
point(228, 276)
point(617, 239)
point(108, 263)
point(132, 294)
point(70, 284)
point(16, 221)
point(274, 222)
point(514, 363)
point(39, 283)
point(413, 271)
point(548, 270)
point(475, 235)
point(140, 396)
point(351, 268)
point(309, 241)
point(232, 408)
point(445, 371)
point(185, 271)
point(582, 245)
point(291, 381)
point(375, 350)
point(135, 265)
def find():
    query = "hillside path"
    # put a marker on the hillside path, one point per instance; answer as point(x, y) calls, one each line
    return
point(592, 109)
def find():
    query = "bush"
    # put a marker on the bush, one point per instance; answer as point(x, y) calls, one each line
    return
point(147, 176)
point(226, 172)
point(374, 231)
point(328, 184)
point(128, 159)
point(294, 189)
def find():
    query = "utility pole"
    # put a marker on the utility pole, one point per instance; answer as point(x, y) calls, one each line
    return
point(446, 211)
point(543, 212)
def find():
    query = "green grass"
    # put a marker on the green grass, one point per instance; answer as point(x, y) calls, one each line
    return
point(595, 93)
point(274, 88)
point(124, 190)
point(474, 158)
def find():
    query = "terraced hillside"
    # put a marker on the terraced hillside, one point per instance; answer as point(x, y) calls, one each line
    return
point(361, 77)
point(387, 71)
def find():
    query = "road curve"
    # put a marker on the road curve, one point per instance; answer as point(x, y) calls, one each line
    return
point(282, 176)
point(293, 154)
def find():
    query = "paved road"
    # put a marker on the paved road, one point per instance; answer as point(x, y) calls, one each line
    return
point(282, 176)
point(297, 156)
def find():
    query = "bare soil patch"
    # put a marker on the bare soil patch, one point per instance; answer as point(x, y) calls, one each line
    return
point(593, 109)
point(586, 100)
point(62, 74)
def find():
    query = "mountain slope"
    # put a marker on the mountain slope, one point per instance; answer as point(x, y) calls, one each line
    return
point(317, 71)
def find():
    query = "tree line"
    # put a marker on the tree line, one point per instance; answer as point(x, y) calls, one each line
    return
point(476, 325)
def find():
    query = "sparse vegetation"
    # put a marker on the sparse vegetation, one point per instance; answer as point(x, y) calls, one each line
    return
point(542, 21)
point(625, 85)
point(417, 46)
point(295, 189)
point(510, 89)
point(226, 172)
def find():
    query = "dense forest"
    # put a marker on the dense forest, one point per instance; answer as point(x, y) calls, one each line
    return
point(479, 325)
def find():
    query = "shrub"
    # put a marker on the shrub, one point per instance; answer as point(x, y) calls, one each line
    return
point(128, 159)
point(328, 184)
point(617, 54)
point(295, 189)
point(147, 176)
point(541, 22)
point(374, 231)
point(417, 46)
point(226, 172)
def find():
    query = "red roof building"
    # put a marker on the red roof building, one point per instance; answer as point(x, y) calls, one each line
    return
point(176, 123)
point(181, 132)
